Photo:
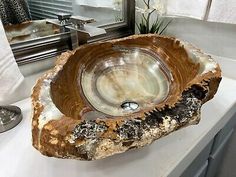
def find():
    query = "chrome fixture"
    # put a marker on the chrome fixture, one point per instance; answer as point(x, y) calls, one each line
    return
point(78, 22)
point(77, 25)
point(10, 116)
point(63, 20)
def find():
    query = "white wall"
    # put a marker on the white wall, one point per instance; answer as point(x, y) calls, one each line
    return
point(215, 38)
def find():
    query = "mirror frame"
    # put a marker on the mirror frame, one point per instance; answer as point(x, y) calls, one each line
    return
point(42, 48)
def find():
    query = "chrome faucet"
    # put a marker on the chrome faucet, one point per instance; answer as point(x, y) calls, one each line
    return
point(78, 26)
point(78, 22)
point(63, 18)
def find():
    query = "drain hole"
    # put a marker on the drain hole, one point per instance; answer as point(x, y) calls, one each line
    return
point(129, 105)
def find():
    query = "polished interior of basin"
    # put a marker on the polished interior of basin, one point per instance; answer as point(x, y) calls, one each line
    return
point(121, 79)
point(134, 80)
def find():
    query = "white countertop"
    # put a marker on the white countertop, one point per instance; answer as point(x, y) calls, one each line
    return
point(168, 156)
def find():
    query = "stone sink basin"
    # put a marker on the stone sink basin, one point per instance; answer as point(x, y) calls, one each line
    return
point(109, 97)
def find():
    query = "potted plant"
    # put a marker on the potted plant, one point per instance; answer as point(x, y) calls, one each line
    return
point(156, 7)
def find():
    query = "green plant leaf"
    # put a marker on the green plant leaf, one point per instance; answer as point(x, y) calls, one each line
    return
point(164, 28)
point(143, 27)
point(153, 28)
point(137, 26)
point(159, 24)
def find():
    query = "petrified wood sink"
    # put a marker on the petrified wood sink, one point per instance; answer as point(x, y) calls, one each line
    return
point(106, 98)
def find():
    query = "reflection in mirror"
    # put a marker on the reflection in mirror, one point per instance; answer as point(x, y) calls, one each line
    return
point(35, 32)
point(103, 11)
point(26, 19)
point(29, 30)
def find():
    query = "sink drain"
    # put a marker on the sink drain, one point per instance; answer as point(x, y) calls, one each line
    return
point(129, 106)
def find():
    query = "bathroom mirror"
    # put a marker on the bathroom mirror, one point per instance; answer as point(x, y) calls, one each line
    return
point(37, 40)
point(105, 12)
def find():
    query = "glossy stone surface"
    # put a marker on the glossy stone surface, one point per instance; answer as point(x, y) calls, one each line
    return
point(29, 30)
point(106, 98)
point(135, 75)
